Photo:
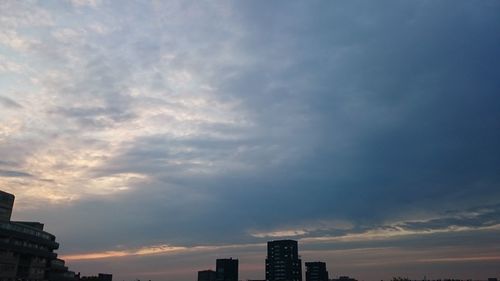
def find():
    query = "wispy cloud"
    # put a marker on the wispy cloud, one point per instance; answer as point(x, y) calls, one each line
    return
point(462, 259)
point(391, 232)
point(162, 249)
point(280, 233)
point(90, 3)
point(14, 174)
point(152, 250)
point(310, 228)
point(9, 103)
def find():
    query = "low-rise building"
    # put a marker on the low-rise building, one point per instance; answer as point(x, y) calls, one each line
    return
point(99, 277)
point(206, 275)
point(316, 271)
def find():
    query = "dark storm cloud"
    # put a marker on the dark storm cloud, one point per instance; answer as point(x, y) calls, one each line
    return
point(406, 114)
point(361, 112)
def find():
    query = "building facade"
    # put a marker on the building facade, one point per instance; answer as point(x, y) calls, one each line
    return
point(283, 262)
point(26, 250)
point(227, 269)
point(316, 271)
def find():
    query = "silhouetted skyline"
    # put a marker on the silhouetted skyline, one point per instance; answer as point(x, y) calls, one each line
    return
point(27, 252)
point(154, 137)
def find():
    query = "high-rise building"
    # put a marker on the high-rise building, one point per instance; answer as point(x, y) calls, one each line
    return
point(206, 275)
point(227, 269)
point(26, 250)
point(283, 262)
point(316, 271)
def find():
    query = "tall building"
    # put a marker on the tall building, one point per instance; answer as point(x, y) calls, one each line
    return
point(227, 269)
point(316, 271)
point(206, 275)
point(283, 262)
point(26, 250)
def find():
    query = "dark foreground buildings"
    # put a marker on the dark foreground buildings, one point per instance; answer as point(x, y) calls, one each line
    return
point(206, 275)
point(27, 251)
point(283, 262)
point(343, 278)
point(226, 269)
point(316, 271)
point(100, 277)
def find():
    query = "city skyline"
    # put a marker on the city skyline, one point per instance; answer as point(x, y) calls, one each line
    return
point(28, 252)
point(155, 137)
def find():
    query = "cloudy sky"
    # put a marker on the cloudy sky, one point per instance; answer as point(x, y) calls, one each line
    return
point(153, 137)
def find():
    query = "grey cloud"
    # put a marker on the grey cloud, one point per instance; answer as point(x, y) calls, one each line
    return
point(479, 217)
point(14, 174)
point(359, 135)
point(95, 117)
point(9, 103)
point(8, 163)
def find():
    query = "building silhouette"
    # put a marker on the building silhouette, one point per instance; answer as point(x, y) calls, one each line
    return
point(283, 262)
point(27, 251)
point(6, 205)
point(227, 269)
point(316, 271)
point(99, 277)
point(206, 275)
point(343, 278)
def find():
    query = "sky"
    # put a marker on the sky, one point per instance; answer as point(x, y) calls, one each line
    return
point(153, 137)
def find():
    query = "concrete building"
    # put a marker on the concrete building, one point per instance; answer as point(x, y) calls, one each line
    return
point(316, 271)
point(227, 269)
point(283, 262)
point(26, 250)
